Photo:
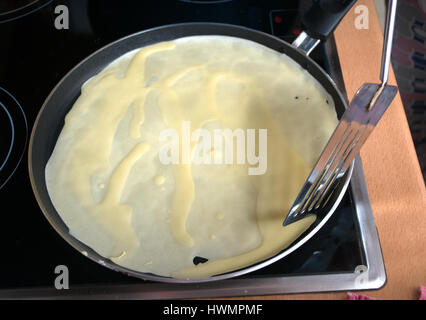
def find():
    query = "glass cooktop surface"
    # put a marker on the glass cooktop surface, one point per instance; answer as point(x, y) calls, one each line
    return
point(41, 42)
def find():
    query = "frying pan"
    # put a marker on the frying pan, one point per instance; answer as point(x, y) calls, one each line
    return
point(319, 22)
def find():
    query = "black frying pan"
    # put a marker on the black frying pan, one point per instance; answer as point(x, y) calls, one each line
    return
point(319, 21)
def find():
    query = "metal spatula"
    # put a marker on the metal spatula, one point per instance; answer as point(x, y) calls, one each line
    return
point(364, 112)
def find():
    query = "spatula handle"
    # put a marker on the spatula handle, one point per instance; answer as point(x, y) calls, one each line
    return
point(387, 43)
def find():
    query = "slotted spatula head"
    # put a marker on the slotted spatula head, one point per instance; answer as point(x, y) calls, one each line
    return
point(364, 112)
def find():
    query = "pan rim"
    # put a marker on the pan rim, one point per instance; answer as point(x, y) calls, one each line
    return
point(90, 253)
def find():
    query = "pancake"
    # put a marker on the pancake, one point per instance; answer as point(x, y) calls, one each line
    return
point(109, 182)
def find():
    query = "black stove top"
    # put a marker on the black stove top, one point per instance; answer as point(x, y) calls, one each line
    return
point(41, 42)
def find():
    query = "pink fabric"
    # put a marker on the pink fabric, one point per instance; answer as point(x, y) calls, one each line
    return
point(422, 293)
point(355, 296)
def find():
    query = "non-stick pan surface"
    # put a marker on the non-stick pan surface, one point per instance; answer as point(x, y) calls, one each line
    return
point(50, 121)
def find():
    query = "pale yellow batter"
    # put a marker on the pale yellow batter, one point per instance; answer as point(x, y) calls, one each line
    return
point(106, 180)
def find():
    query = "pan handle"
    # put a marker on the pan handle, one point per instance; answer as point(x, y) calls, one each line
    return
point(319, 22)
point(324, 16)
